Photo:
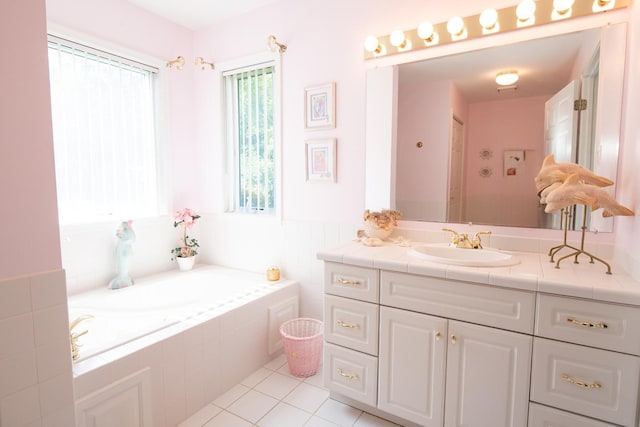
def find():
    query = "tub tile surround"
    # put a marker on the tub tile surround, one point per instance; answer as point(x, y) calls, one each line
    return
point(191, 362)
point(36, 386)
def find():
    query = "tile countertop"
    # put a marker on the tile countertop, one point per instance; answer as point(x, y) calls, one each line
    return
point(535, 272)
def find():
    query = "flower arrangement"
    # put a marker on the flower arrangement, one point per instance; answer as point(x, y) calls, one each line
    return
point(188, 245)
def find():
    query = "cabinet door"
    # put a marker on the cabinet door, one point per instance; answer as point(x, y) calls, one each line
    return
point(412, 365)
point(488, 372)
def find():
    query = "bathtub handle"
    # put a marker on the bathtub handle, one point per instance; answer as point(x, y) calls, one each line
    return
point(348, 325)
point(349, 282)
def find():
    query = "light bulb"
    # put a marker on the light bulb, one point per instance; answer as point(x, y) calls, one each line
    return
point(426, 32)
point(562, 6)
point(371, 44)
point(489, 19)
point(397, 39)
point(526, 10)
point(506, 78)
point(455, 26)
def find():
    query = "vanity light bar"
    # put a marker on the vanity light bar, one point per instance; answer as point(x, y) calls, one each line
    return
point(506, 20)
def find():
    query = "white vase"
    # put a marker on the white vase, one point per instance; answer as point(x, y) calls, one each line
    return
point(371, 230)
point(186, 263)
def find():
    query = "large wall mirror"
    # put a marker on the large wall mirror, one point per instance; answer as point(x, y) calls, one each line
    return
point(445, 143)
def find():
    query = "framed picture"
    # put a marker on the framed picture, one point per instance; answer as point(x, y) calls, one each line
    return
point(321, 159)
point(320, 107)
point(512, 161)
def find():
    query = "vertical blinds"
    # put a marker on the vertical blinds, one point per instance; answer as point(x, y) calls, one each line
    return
point(104, 138)
point(252, 90)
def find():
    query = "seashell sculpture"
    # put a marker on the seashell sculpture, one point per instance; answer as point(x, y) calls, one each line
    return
point(552, 172)
point(574, 192)
point(380, 225)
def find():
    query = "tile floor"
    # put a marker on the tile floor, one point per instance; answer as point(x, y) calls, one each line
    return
point(272, 397)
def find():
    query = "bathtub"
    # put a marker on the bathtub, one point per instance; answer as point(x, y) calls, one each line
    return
point(179, 339)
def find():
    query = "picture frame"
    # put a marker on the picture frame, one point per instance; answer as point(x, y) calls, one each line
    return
point(321, 159)
point(320, 107)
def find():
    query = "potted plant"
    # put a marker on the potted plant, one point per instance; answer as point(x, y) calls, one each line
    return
point(185, 253)
point(380, 225)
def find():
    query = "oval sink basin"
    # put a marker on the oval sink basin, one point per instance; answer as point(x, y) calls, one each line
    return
point(445, 254)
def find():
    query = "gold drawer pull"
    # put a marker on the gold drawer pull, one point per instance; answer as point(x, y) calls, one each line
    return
point(600, 325)
point(438, 335)
point(349, 282)
point(348, 325)
point(454, 339)
point(579, 383)
point(347, 376)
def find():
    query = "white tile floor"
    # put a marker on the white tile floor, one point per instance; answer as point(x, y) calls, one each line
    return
point(272, 397)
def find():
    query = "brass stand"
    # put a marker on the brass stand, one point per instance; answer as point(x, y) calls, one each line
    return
point(577, 251)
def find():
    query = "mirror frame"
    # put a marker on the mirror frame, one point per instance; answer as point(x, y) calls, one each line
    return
point(382, 84)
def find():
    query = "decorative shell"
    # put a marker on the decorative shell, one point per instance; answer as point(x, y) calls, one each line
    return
point(380, 224)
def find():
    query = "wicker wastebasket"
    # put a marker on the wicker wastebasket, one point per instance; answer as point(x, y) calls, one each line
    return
point(302, 340)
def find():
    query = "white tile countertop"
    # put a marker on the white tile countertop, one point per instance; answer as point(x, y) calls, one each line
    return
point(534, 272)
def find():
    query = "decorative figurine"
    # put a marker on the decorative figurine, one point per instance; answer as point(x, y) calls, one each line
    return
point(123, 256)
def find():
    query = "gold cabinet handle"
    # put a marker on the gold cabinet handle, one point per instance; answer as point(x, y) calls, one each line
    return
point(438, 335)
point(349, 282)
point(348, 325)
point(579, 383)
point(453, 339)
point(600, 325)
point(347, 376)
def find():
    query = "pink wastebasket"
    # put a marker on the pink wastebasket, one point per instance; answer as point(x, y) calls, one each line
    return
point(302, 340)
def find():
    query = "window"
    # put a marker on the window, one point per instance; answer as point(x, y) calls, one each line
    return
point(250, 116)
point(103, 133)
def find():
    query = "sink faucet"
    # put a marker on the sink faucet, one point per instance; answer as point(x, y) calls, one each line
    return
point(75, 347)
point(461, 240)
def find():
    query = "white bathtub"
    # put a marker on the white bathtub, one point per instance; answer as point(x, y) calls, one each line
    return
point(175, 341)
point(159, 301)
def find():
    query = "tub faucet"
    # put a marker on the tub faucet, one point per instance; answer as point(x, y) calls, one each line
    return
point(73, 336)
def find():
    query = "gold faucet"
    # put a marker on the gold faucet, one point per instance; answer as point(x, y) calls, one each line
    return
point(75, 347)
point(461, 240)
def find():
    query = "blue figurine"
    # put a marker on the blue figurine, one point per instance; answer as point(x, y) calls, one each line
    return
point(123, 256)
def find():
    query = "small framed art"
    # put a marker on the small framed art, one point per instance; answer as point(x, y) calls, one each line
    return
point(321, 159)
point(320, 107)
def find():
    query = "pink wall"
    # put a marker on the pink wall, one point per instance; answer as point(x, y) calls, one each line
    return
point(498, 126)
point(29, 216)
point(119, 23)
point(627, 230)
point(424, 114)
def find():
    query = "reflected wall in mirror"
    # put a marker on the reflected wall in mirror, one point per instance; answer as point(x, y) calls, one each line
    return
point(468, 152)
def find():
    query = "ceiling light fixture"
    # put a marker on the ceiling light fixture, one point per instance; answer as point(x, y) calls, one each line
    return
point(507, 78)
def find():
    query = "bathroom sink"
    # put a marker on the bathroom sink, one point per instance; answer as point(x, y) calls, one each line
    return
point(446, 254)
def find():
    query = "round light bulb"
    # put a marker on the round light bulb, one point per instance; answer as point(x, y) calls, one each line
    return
point(371, 44)
point(562, 6)
point(525, 10)
point(396, 38)
point(507, 78)
point(455, 26)
point(488, 18)
point(425, 30)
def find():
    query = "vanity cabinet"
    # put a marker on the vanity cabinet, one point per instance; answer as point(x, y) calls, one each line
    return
point(429, 351)
point(431, 363)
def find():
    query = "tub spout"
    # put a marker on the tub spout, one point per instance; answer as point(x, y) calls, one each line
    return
point(73, 336)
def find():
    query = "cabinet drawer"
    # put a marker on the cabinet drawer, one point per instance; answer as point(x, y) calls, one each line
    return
point(351, 323)
point(543, 416)
point(350, 373)
point(596, 324)
point(503, 308)
point(351, 281)
point(597, 383)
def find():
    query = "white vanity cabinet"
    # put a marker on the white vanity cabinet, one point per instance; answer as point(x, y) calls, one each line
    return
point(434, 352)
